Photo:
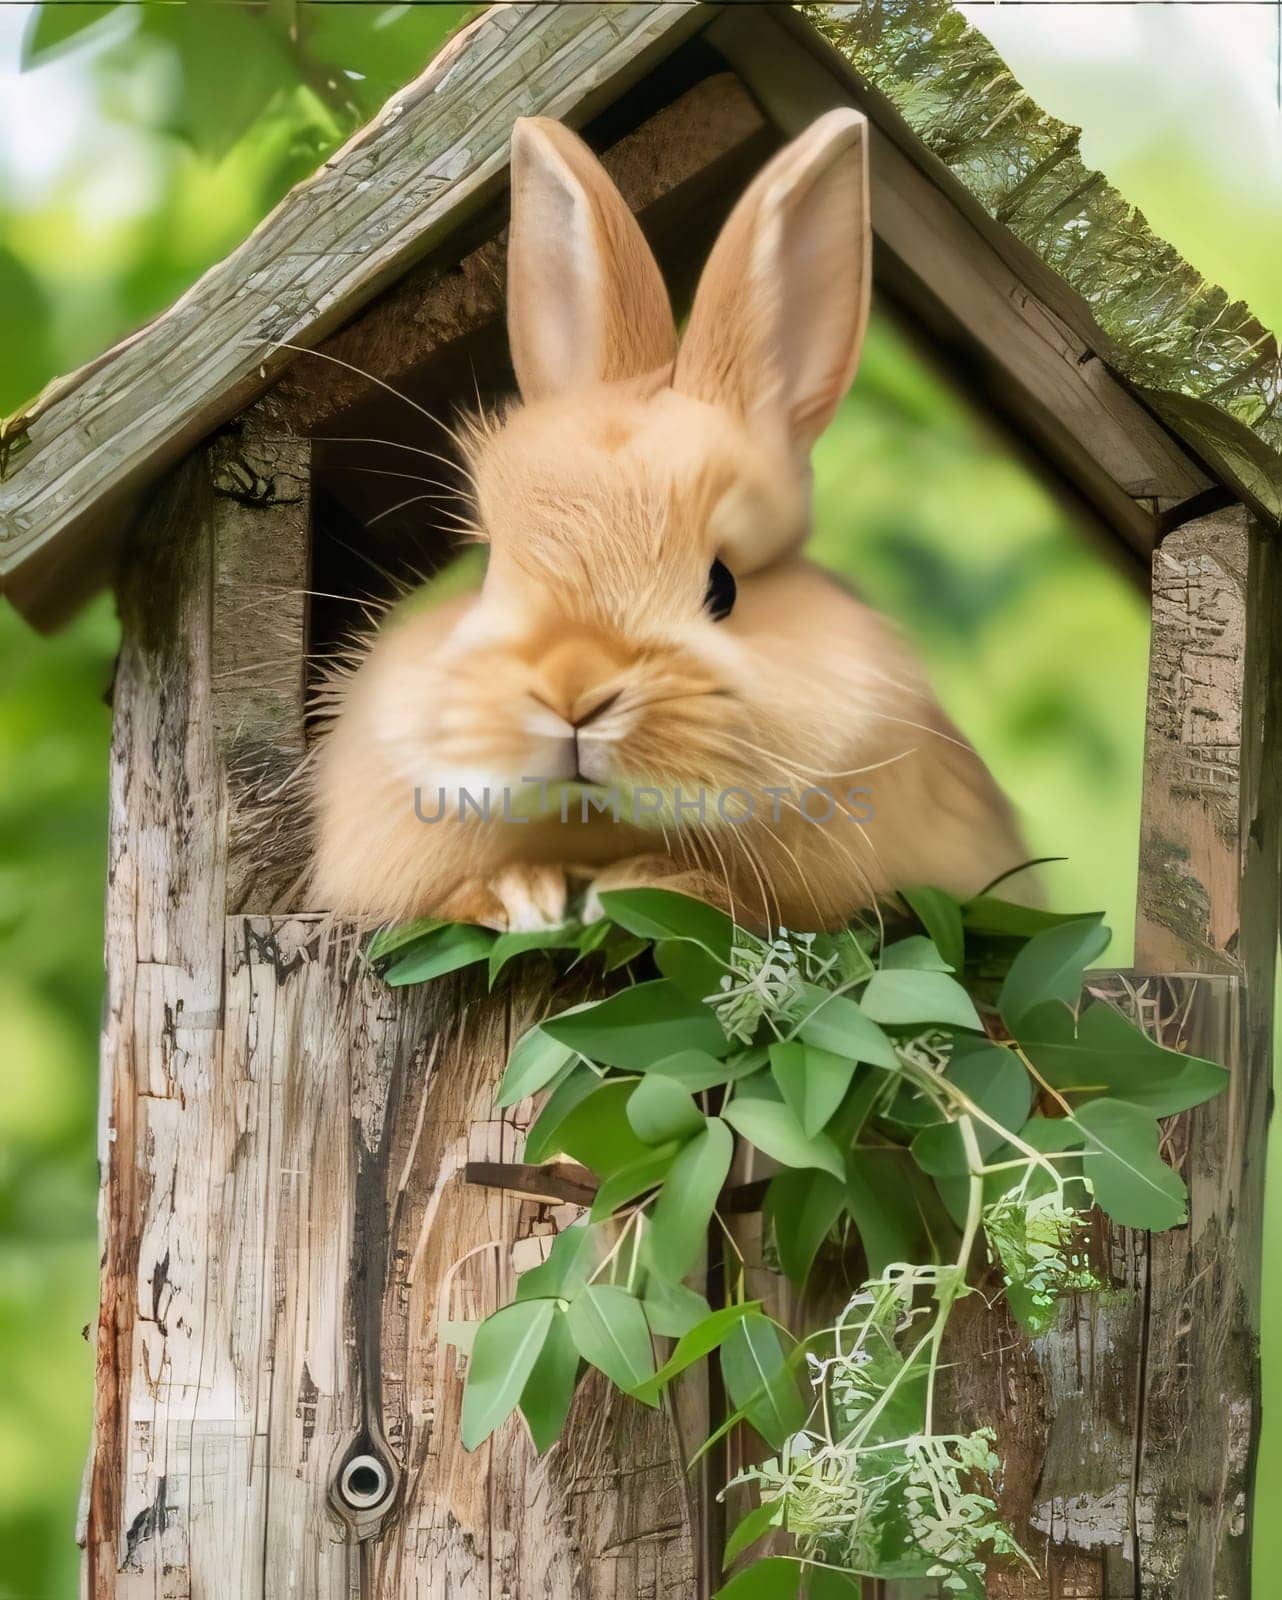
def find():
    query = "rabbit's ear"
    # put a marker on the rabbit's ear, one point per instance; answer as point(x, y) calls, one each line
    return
point(781, 309)
point(586, 302)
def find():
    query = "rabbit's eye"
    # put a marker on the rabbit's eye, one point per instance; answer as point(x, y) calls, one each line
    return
point(719, 600)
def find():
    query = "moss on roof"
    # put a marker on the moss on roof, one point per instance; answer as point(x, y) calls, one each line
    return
point(1204, 363)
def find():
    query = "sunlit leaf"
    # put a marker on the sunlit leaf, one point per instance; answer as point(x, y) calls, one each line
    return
point(1104, 1053)
point(775, 1131)
point(1132, 1184)
point(677, 1235)
point(635, 1179)
point(610, 1333)
point(835, 1022)
point(813, 1082)
point(456, 945)
point(914, 954)
point(549, 1389)
point(660, 1109)
point(700, 1341)
point(640, 1025)
point(504, 1351)
point(1051, 967)
point(940, 915)
point(908, 997)
point(656, 914)
point(753, 1525)
point(508, 946)
point(535, 1061)
point(759, 1380)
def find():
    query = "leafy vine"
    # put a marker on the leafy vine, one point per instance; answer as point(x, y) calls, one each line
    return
point(941, 1100)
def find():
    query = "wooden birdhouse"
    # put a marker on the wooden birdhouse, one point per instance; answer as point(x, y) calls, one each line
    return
point(304, 1175)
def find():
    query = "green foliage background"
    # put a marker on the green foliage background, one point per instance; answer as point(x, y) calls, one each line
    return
point(192, 120)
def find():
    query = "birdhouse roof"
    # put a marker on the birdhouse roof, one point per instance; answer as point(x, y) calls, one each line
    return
point(1140, 386)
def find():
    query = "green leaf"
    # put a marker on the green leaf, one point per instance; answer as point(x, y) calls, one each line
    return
point(700, 1341)
point(886, 1207)
point(813, 1082)
point(776, 1578)
point(234, 65)
point(535, 1061)
point(758, 1380)
point(660, 1109)
point(801, 1209)
point(504, 1352)
point(569, 1265)
point(1132, 1184)
point(630, 1181)
point(835, 1022)
point(775, 1131)
point(508, 946)
point(549, 1390)
point(610, 1333)
point(1104, 1053)
point(457, 944)
point(824, 1583)
point(54, 25)
point(995, 1080)
point(570, 1092)
point(655, 914)
point(908, 997)
point(618, 952)
point(677, 1234)
point(1051, 967)
point(914, 954)
point(940, 915)
point(696, 1070)
point(671, 1308)
point(639, 1026)
point(387, 941)
point(597, 1132)
point(753, 1525)
point(987, 914)
point(696, 973)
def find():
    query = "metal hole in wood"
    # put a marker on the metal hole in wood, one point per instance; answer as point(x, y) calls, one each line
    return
point(364, 1482)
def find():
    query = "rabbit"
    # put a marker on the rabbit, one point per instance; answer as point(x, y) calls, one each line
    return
point(646, 621)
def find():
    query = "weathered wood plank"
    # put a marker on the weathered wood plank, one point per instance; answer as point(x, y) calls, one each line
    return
point(937, 267)
point(1191, 845)
point(606, 1514)
point(160, 1046)
point(1211, 870)
point(261, 532)
point(437, 149)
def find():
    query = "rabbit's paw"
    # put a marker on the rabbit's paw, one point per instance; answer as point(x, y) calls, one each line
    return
point(531, 897)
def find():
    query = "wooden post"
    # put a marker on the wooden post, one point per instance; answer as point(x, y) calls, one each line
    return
point(1128, 1431)
point(286, 1219)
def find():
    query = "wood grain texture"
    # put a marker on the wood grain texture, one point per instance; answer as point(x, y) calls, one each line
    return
point(285, 1217)
point(606, 1513)
point(1020, 356)
point(261, 533)
point(1191, 846)
point(437, 149)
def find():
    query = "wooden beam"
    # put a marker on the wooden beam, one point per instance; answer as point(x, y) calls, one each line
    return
point(436, 152)
point(939, 267)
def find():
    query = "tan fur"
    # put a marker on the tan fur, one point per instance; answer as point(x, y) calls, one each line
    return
point(605, 498)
